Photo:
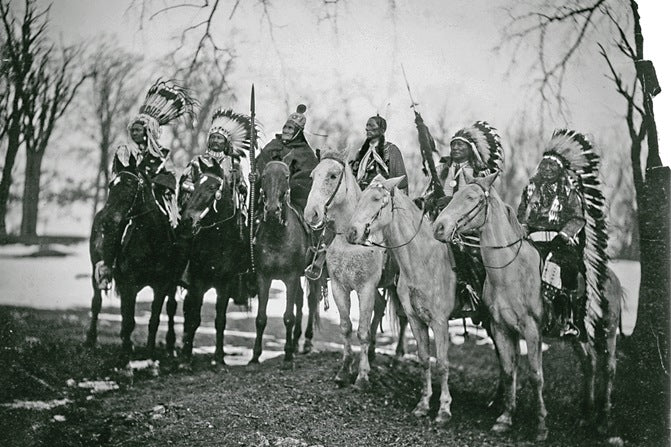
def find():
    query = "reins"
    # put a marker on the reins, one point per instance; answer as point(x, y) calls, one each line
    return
point(377, 214)
point(213, 205)
point(469, 216)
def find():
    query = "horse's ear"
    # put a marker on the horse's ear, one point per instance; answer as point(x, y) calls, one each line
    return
point(202, 165)
point(468, 177)
point(392, 183)
point(379, 179)
point(349, 154)
point(488, 181)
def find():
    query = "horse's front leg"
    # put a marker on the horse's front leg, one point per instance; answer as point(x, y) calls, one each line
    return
point(127, 294)
point(293, 289)
point(298, 323)
point(610, 364)
point(314, 295)
point(367, 297)
point(534, 340)
point(341, 296)
point(263, 282)
point(220, 322)
point(193, 301)
point(421, 332)
point(96, 304)
point(442, 336)
point(378, 313)
point(171, 309)
point(394, 300)
point(509, 346)
point(160, 293)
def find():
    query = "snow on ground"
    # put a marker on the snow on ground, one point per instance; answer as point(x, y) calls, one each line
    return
point(62, 282)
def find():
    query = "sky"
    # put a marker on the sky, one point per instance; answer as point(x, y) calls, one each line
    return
point(445, 47)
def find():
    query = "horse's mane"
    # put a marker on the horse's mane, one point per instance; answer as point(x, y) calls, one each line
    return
point(341, 155)
point(511, 215)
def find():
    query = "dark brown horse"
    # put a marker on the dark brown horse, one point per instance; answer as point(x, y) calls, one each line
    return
point(281, 252)
point(217, 252)
point(144, 257)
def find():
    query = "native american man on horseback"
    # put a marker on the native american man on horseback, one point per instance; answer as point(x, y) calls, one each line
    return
point(552, 209)
point(228, 141)
point(376, 156)
point(164, 103)
point(475, 151)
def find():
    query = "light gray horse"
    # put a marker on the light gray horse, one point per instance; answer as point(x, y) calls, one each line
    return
point(427, 284)
point(332, 198)
point(512, 294)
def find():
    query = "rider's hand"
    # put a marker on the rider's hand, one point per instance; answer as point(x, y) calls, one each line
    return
point(242, 189)
point(252, 177)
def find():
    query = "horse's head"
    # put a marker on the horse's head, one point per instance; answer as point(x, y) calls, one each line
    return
point(125, 189)
point(328, 179)
point(373, 210)
point(275, 189)
point(211, 198)
point(466, 211)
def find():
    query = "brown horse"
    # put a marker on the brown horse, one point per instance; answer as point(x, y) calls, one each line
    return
point(385, 216)
point(145, 257)
point(512, 293)
point(332, 198)
point(281, 250)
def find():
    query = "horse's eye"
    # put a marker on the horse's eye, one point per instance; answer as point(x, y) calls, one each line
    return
point(332, 176)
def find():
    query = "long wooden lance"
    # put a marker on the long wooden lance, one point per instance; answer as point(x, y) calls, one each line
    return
point(252, 169)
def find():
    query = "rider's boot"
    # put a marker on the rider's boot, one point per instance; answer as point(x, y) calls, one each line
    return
point(570, 329)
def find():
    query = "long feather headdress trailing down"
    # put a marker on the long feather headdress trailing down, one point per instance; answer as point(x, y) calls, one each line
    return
point(236, 127)
point(576, 154)
point(167, 101)
point(486, 145)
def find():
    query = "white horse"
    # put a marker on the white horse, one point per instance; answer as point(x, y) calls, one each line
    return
point(427, 283)
point(331, 200)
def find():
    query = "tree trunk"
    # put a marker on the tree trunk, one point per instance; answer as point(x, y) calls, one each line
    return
point(31, 192)
point(6, 182)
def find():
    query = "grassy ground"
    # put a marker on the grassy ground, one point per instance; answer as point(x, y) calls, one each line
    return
point(269, 404)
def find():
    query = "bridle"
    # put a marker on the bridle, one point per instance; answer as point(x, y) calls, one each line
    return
point(388, 199)
point(213, 204)
point(469, 216)
point(328, 203)
point(139, 184)
point(284, 202)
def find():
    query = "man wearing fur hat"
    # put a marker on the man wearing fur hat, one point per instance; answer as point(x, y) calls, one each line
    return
point(552, 211)
point(292, 148)
point(378, 156)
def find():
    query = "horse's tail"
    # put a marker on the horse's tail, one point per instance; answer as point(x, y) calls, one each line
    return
point(621, 298)
point(392, 311)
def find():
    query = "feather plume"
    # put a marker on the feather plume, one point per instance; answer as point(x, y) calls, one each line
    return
point(487, 144)
point(166, 101)
point(236, 127)
point(583, 164)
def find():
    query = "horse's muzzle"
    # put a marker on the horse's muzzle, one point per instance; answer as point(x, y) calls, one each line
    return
point(439, 232)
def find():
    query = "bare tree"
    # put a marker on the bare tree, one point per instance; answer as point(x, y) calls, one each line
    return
point(113, 95)
point(23, 40)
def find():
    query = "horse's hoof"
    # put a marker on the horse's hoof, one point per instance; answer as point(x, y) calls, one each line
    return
point(615, 441)
point(443, 417)
point(341, 379)
point(307, 347)
point(362, 384)
point(185, 366)
point(420, 411)
point(254, 361)
point(371, 355)
point(542, 434)
point(501, 427)
point(287, 365)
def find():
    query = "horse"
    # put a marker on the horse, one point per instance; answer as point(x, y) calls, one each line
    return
point(386, 217)
point(281, 247)
point(217, 253)
point(145, 256)
point(331, 200)
point(512, 293)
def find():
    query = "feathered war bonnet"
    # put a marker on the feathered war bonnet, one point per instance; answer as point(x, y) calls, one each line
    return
point(235, 127)
point(485, 144)
point(165, 102)
point(575, 153)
